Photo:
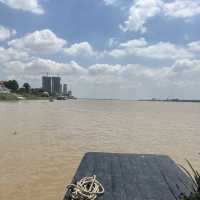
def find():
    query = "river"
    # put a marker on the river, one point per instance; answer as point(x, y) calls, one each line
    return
point(42, 143)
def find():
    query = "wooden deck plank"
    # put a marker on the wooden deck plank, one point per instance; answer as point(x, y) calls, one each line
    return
point(134, 176)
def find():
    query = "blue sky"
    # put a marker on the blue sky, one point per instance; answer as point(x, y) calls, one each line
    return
point(128, 49)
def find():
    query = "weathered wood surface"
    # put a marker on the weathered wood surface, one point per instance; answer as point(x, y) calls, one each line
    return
point(134, 177)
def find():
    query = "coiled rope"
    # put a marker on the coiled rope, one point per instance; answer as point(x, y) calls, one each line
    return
point(87, 188)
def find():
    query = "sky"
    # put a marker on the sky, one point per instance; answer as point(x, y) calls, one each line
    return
point(124, 49)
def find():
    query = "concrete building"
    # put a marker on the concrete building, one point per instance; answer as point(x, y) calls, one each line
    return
point(52, 85)
point(69, 94)
point(46, 84)
point(61, 89)
point(56, 85)
point(65, 89)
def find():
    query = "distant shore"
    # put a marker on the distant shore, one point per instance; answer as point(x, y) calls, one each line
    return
point(17, 97)
point(28, 96)
point(172, 100)
point(8, 97)
point(147, 100)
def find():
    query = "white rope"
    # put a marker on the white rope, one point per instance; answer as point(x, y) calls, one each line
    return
point(87, 188)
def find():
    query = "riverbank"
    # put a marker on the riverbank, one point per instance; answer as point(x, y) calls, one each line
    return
point(17, 97)
point(28, 96)
point(8, 97)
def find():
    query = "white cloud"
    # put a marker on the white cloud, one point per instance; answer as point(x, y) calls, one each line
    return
point(110, 2)
point(128, 48)
point(137, 43)
point(186, 75)
point(104, 69)
point(164, 50)
point(25, 5)
point(142, 10)
point(186, 65)
point(194, 46)
point(129, 71)
point(139, 81)
point(80, 49)
point(39, 66)
point(182, 8)
point(126, 76)
point(72, 68)
point(40, 42)
point(139, 13)
point(6, 33)
point(141, 48)
point(11, 54)
point(112, 42)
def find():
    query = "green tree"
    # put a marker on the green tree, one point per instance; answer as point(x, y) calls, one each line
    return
point(27, 87)
point(12, 85)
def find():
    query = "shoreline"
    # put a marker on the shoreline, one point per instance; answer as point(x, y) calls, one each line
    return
point(174, 100)
point(13, 97)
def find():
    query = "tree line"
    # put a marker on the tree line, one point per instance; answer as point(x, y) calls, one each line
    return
point(13, 86)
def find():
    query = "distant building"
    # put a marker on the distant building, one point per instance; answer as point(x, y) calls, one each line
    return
point(69, 94)
point(46, 84)
point(56, 85)
point(61, 88)
point(52, 85)
point(65, 89)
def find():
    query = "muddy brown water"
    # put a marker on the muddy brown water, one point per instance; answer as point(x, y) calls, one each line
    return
point(42, 143)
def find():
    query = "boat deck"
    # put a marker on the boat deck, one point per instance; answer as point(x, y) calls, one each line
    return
point(134, 177)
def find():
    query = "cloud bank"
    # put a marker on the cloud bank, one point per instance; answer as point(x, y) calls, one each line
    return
point(25, 5)
point(143, 10)
point(21, 60)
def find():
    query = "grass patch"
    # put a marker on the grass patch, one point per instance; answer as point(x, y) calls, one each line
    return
point(26, 96)
point(8, 97)
point(29, 96)
point(195, 177)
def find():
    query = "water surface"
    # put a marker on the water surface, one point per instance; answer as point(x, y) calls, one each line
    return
point(42, 143)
